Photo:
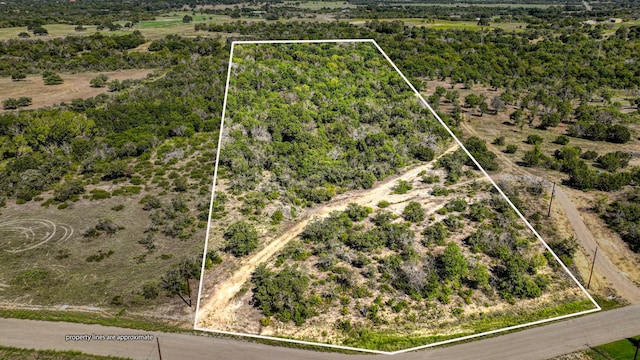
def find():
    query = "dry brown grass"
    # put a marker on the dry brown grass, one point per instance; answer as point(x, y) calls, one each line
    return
point(74, 86)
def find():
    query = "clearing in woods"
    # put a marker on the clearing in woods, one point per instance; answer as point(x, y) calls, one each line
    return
point(75, 86)
point(398, 319)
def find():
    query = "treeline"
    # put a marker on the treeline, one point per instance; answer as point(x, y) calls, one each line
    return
point(96, 52)
point(495, 58)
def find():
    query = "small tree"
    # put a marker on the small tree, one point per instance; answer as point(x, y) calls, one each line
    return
point(24, 35)
point(40, 31)
point(10, 104)
point(277, 217)
point(99, 81)
point(51, 78)
point(241, 238)
point(414, 212)
point(453, 264)
point(18, 75)
point(534, 139)
point(187, 19)
point(80, 28)
point(116, 85)
point(24, 101)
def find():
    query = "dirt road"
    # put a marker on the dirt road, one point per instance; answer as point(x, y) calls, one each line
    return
point(214, 311)
point(604, 268)
point(538, 343)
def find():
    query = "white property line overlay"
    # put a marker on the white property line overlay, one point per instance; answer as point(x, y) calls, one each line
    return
point(435, 114)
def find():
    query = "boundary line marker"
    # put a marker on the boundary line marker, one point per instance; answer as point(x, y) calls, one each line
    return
point(433, 112)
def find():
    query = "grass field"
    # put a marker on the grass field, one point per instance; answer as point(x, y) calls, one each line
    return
point(7, 353)
point(74, 86)
point(317, 5)
point(619, 350)
point(447, 24)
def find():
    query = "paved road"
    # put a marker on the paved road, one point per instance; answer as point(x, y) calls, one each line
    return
point(532, 344)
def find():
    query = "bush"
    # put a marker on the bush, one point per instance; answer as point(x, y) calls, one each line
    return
point(383, 204)
point(430, 179)
point(534, 139)
point(435, 234)
point(10, 104)
point(478, 149)
point(150, 290)
point(277, 217)
point(499, 141)
point(67, 190)
point(18, 75)
point(532, 157)
point(614, 161)
point(561, 140)
point(99, 81)
point(283, 294)
point(99, 194)
point(241, 238)
point(51, 78)
point(414, 212)
point(511, 149)
point(356, 212)
point(402, 187)
point(589, 155)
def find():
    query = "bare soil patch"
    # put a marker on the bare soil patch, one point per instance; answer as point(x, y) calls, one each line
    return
point(75, 86)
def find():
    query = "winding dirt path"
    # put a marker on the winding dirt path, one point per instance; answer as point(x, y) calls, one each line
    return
point(214, 311)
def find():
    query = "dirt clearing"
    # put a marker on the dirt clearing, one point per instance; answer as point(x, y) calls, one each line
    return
point(74, 86)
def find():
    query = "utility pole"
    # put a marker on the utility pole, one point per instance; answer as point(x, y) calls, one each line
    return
point(158, 342)
point(553, 192)
point(635, 357)
point(189, 290)
point(593, 264)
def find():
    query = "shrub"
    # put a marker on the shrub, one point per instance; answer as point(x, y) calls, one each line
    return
point(277, 217)
point(414, 212)
point(402, 187)
point(589, 155)
point(51, 78)
point(99, 81)
point(241, 238)
point(614, 161)
point(430, 179)
point(150, 290)
point(356, 212)
point(561, 140)
point(534, 139)
point(435, 234)
point(511, 149)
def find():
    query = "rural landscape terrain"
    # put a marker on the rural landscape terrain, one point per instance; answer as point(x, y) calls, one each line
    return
point(344, 212)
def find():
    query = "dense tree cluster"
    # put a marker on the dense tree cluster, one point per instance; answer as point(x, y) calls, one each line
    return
point(280, 119)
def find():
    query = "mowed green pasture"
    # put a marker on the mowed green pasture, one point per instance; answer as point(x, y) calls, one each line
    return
point(624, 349)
